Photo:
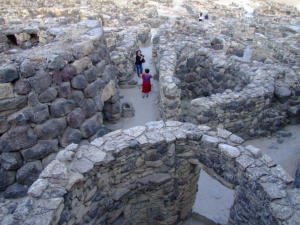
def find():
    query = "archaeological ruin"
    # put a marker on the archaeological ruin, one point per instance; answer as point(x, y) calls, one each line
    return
point(66, 158)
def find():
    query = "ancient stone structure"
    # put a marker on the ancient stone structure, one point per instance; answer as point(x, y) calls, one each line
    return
point(148, 175)
point(61, 64)
point(52, 95)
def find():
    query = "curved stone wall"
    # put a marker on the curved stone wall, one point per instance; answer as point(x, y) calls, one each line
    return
point(53, 95)
point(148, 174)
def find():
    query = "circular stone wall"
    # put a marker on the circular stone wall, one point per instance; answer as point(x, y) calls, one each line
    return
point(148, 175)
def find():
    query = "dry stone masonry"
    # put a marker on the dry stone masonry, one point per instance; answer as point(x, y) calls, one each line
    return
point(148, 174)
point(53, 95)
point(61, 66)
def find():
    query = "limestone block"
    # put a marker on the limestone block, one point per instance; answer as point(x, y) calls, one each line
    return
point(230, 151)
point(108, 91)
point(56, 170)
point(256, 152)
point(6, 91)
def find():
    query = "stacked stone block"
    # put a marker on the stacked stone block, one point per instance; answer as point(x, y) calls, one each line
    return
point(51, 96)
point(148, 174)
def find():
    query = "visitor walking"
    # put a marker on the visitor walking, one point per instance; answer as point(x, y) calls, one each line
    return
point(146, 83)
point(139, 60)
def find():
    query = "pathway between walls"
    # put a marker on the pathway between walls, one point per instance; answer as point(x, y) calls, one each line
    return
point(146, 109)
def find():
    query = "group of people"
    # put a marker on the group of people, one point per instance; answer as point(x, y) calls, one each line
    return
point(140, 59)
point(201, 17)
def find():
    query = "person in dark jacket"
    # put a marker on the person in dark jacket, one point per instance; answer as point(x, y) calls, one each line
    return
point(139, 60)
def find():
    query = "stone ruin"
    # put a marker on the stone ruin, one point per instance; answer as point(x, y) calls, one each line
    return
point(60, 72)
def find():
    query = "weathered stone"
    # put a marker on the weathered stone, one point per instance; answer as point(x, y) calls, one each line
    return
point(108, 91)
point(282, 92)
point(17, 138)
point(15, 191)
point(65, 90)
point(23, 210)
point(71, 136)
point(28, 173)
point(281, 212)
point(33, 99)
point(11, 160)
point(41, 150)
point(127, 110)
point(91, 74)
point(40, 82)
point(27, 68)
point(89, 107)
point(38, 113)
point(3, 125)
point(210, 140)
point(231, 152)
point(61, 107)
point(55, 62)
point(135, 131)
point(68, 73)
point(223, 133)
point(76, 118)
point(48, 159)
point(79, 82)
point(92, 89)
point(77, 97)
point(8, 73)
point(6, 178)
point(82, 165)
point(38, 187)
point(155, 125)
point(48, 95)
point(256, 152)
point(236, 139)
point(6, 91)
point(51, 129)
point(273, 191)
point(13, 103)
point(103, 130)
point(90, 126)
point(22, 87)
point(56, 170)
point(95, 155)
point(82, 64)
point(158, 179)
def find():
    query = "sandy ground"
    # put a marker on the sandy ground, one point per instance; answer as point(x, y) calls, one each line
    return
point(287, 154)
point(146, 109)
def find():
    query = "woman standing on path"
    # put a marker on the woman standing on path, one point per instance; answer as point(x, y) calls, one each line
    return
point(146, 83)
point(139, 60)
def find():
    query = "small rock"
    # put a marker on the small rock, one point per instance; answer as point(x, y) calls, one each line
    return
point(68, 73)
point(6, 91)
point(89, 107)
point(61, 107)
point(127, 110)
point(40, 82)
point(22, 87)
point(41, 150)
point(282, 92)
point(55, 62)
point(256, 152)
point(91, 126)
point(230, 151)
point(15, 191)
point(51, 129)
point(65, 90)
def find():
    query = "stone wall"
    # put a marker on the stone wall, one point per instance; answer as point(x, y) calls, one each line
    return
point(148, 175)
point(202, 73)
point(53, 95)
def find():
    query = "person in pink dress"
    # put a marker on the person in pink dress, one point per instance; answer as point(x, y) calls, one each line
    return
point(146, 83)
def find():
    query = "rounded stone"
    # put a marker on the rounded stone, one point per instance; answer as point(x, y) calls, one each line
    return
point(28, 173)
point(15, 191)
point(79, 82)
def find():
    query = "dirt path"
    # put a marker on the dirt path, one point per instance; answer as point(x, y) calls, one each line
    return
point(146, 109)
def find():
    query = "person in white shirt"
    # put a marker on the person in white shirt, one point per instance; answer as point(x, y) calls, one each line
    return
point(201, 17)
